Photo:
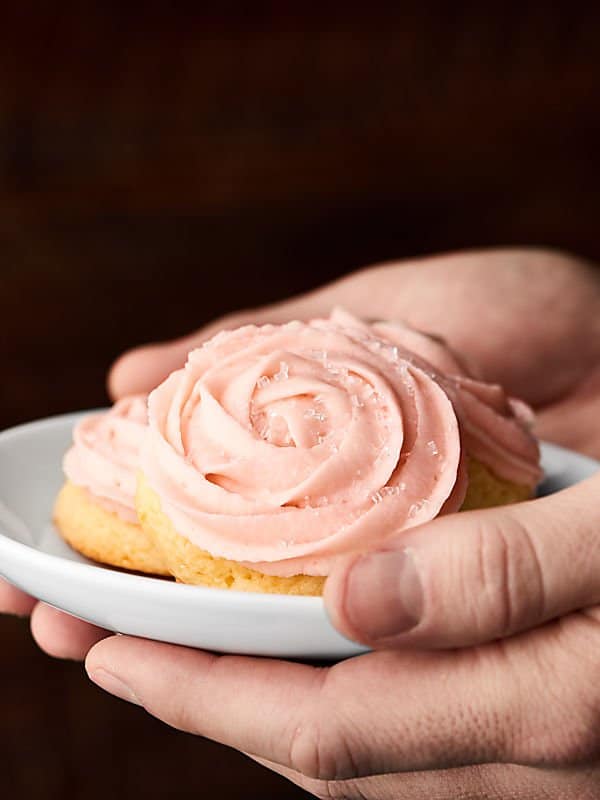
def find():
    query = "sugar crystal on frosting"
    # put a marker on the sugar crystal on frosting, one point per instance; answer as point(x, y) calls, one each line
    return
point(416, 507)
point(284, 372)
point(336, 371)
point(313, 413)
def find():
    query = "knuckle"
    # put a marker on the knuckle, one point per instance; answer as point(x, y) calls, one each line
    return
point(315, 753)
point(510, 576)
point(306, 754)
point(320, 746)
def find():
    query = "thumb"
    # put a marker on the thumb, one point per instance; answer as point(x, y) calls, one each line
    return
point(475, 576)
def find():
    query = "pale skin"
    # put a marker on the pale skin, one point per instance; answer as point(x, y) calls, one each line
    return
point(483, 682)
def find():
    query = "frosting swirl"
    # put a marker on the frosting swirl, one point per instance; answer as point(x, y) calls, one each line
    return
point(283, 447)
point(105, 455)
point(428, 347)
point(495, 427)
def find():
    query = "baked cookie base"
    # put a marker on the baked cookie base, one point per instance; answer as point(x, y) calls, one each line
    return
point(487, 491)
point(102, 535)
point(190, 564)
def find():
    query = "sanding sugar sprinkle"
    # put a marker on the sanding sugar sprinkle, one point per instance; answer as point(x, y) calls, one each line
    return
point(385, 491)
point(313, 413)
point(433, 448)
point(284, 372)
point(416, 507)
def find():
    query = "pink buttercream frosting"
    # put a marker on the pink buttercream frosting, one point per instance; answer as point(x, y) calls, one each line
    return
point(495, 427)
point(104, 458)
point(286, 446)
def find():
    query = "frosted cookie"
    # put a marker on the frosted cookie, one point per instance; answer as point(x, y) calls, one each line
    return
point(95, 510)
point(278, 449)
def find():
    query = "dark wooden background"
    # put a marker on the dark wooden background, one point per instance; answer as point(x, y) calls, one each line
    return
point(160, 168)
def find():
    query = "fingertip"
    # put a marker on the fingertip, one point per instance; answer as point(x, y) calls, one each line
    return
point(61, 635)
point(119, 654)
point(13, 601)
point(100, 655)
point(135, 372)
point(376, 598)
point(142, 369)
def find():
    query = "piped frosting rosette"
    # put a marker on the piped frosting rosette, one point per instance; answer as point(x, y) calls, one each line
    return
point(495, 427)
point(105, 455)
point(284, 447)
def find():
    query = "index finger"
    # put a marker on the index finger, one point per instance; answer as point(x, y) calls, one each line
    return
point(378, 713)
point(14, 601)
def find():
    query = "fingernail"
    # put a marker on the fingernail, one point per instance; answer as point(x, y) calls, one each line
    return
point(384, 596)
point(113, 685)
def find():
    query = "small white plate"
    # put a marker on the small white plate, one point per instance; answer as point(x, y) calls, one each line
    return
point(35, 558)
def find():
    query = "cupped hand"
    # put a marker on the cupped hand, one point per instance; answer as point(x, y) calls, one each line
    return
point(531, 320)
point(486, 688)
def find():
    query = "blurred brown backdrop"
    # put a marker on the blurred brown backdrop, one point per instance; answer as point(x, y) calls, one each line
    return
point(160, 168)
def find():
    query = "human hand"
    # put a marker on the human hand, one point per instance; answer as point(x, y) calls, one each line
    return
point(527, 319)
point(540, 338)
point(513, 713)
point(564, 379)
point(58, 634)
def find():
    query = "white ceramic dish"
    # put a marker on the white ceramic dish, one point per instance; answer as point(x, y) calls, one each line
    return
point(34, 558)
